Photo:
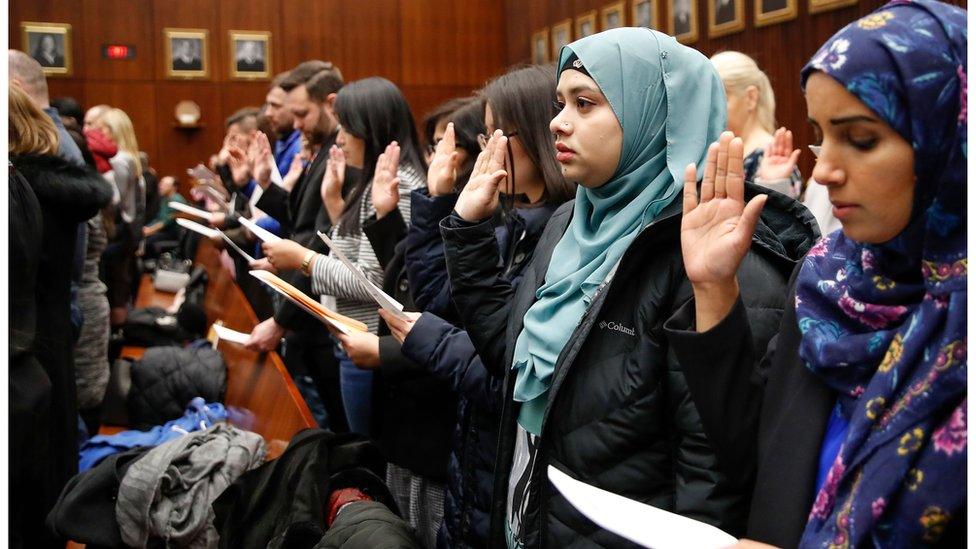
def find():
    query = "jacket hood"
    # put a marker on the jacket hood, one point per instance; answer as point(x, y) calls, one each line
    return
point(786, 228)
point(58, 181)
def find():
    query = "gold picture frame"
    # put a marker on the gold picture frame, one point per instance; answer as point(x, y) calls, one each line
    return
point(643, 13)
point(186, 53)
point(613, 16)
point(586, 24)
point(682, 20)
point(540, 46)
point(726, 17)
point(770, 12)
point(249, 54)
point(50, 45)
point(562, 34)
point(820, 6)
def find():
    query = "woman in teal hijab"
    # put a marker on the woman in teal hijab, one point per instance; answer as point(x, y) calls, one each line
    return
point(591, 386)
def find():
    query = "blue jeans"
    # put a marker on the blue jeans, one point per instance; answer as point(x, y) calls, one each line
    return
point(357, 393)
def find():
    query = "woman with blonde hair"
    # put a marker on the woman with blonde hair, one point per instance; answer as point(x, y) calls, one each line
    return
point(126, 173)
point(43, 415)
point(771, 159)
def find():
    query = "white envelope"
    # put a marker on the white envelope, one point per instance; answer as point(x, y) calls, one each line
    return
point(382, 298)
point(226, 334)
point(640, 523)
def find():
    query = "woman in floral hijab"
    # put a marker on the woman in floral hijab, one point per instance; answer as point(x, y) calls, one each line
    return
point(866, 385)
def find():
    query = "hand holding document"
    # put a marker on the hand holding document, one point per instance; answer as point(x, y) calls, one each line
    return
point(213, 233)
point(262, 234)
point(196, 212)
point(218, 198)
point(342, 323)
point(640, 523)
point(382, 298)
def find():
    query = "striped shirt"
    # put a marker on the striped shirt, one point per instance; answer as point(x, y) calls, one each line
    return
point(331, 278)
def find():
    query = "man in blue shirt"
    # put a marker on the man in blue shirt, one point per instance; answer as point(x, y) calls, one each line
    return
point(288, 140)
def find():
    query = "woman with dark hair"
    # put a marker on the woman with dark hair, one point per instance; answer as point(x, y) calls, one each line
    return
point(861, 402)
point(590, 384)
point(378, 137)
point(435, 123)
point(521, 102)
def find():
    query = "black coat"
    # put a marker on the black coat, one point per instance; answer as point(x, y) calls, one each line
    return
point(413, 415)
point(620, 415)
point(777, 416)
point(449, 354)
point(67, 195)
point(166, 379)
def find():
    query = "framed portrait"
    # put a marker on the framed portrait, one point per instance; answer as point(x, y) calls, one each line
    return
point(817, 6)
point(250, 54)
point(770, 12)
point(612, 16)
point(562, 34)
point(643, 13)
point(540, 47)
point(186, 53)
point(586, 24)
point(682, 21)
point(725, 17)
point(50, 45)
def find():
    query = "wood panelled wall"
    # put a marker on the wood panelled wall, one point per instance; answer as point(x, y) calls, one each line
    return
point(432, 49)
point(781, 50)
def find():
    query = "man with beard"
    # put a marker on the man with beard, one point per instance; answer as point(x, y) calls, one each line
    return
point(288, 140)
point(310, 91)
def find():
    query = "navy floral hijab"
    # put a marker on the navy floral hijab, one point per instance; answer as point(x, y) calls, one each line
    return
point(885, 325)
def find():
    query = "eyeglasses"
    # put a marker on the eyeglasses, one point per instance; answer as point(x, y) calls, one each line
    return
point(483, 139)
point(815, 149)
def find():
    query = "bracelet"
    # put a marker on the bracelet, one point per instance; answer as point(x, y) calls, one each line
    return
point(307, 262)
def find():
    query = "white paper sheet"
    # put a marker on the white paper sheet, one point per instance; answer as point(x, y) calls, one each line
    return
point(640, 523)
point(382, 298)
point(208, 232)
point(226, 334)
point(262, 234)
point(197, 212)
point(237, 248)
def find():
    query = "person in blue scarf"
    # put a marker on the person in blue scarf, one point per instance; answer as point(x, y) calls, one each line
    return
point(862, 437)
point(590, 384)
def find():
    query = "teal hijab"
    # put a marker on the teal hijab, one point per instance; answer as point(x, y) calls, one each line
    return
point(671, 105)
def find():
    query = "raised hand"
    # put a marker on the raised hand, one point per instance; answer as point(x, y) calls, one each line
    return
point(442, 173)
point(240, 171)
point(260, 158)
point(335, 174)
point(779, 157)
point(386, 184)
point(479, 199)
point(716, 231)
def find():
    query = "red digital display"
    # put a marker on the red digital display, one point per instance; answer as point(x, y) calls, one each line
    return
point(118, 51)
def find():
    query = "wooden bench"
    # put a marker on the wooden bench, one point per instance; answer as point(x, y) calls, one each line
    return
point(261, 396)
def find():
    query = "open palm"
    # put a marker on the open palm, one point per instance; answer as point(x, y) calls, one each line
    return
point(779, 157)
point(442, 173)
point(716, 230)
point(479, 199)
point(386, 184)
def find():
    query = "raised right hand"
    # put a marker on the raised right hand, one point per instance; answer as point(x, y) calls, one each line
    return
point(442, 173)
point(716, 231)
point(479, 199)
point(260, 158)
point(334, 177)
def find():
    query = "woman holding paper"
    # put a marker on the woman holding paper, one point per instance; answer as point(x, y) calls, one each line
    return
point(591, 386)
point(862, 425)
point(376, 135)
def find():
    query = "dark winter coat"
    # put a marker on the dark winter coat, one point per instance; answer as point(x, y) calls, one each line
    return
point(413, 412)
point(619, 415)
point(166, 379)
point(67, 195)
point(449, 354)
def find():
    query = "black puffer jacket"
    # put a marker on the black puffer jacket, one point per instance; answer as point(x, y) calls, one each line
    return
point(620, 415)
point(167, 378)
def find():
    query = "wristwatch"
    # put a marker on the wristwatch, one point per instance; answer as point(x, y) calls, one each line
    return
point(307, 262)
